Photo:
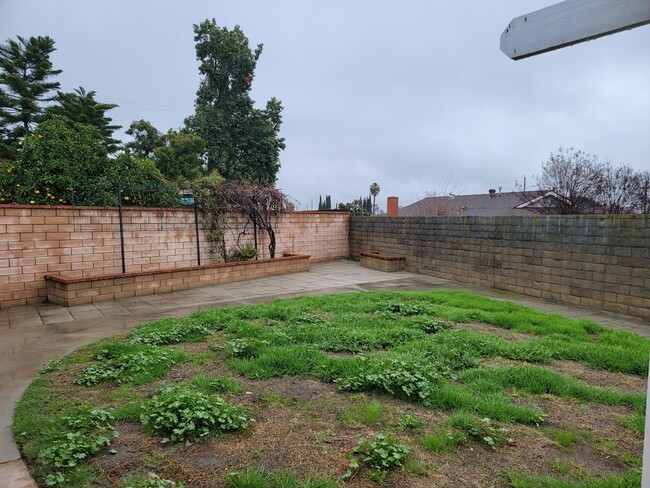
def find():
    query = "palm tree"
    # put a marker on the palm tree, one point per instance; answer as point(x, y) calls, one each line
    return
point(374, 191)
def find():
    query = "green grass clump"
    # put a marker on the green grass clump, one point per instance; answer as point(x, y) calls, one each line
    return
point(537, 380)
point(567, 438)
point(598, 355)
point(255, 478)
point(409, 422)
point(492, 405)
point(69, 439)
point(635, 423)
point(178, 413)
point(148, 480)
point(122, 362)
point(295, 360)
point(171, 331)
point(629, 479)
point(480, 429)
point(461, 427)
point(443, 441)
point(211, 385)
point(367, 413)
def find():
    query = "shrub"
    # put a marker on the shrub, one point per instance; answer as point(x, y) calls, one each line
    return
point(380, 455)
point(246, 253)
point(179, 413)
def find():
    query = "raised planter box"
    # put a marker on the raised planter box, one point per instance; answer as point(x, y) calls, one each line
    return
point(68, 291)
point(372, 259)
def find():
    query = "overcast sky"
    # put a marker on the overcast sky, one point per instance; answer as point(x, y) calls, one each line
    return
point(414, 95)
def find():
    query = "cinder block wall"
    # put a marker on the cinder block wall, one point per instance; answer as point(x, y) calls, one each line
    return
point(85, 241)
point(601, 262)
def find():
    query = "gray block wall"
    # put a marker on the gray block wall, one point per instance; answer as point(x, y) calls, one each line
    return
point(602, 262)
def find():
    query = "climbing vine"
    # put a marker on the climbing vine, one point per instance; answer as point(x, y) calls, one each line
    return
point(215, 199)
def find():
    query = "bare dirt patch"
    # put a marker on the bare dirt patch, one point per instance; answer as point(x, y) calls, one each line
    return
point(605, 379)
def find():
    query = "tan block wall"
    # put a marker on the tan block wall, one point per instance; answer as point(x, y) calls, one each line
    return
point(85, 241)
point(601, 262)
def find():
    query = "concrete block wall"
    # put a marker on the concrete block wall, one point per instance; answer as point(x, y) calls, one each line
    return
point(601, 262)
point(85, 241)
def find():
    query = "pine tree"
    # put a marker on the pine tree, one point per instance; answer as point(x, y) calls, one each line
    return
point(320, 202)
point(328, 203)
point(25, 73)
point(80, 106)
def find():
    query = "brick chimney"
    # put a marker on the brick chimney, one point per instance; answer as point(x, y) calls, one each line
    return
point(392, 206)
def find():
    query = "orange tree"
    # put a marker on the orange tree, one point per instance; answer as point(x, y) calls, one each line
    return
point(65, 162)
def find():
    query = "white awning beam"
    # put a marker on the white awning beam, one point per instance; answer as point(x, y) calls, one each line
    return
point(571, 22)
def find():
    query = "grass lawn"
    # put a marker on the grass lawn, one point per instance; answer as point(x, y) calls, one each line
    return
point(403, 389)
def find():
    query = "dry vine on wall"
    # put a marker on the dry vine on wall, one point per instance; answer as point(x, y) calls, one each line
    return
point(261, 205)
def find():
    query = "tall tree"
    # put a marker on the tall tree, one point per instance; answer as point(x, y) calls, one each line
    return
point(242, 142)
point(146, 138)
point(25, 84)
point(80, 106)
point(374, 191)
point(179, 155)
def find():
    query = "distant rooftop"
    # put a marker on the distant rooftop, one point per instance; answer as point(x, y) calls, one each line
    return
point(488, 204)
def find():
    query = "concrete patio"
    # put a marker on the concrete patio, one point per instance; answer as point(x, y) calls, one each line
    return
point(33, 335)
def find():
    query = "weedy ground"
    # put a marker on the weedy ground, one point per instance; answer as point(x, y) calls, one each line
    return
point(402, 389)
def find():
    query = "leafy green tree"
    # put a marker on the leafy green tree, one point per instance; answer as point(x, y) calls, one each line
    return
point(52, 161)
point(140, 182)
point(146, 138)
point(25, 84)
point(179, 155)
point(328, 203)
point(80, 106)
point(374, 191)
point(242, 142)
point(356, 207)
point(65, 162)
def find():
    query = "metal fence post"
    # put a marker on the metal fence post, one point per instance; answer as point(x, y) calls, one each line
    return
point(196, 226)
point(119, 192)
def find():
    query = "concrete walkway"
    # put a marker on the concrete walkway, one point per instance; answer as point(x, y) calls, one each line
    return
point(33, 335)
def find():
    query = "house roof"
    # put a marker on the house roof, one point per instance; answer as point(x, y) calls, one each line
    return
point(482, 204)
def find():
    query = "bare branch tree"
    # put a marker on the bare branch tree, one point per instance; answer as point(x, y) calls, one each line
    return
point(576, 177)
point(621, 190)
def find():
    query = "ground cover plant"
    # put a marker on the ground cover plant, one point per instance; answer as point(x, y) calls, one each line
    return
point(376, 388)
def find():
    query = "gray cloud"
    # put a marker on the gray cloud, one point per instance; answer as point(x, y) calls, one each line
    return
point(414, 96)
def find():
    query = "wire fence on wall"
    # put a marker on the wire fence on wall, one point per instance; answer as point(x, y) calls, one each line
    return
point(159, 197)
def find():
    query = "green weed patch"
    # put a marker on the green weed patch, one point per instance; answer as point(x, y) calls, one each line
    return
point(178, 413)
point(123, 362)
